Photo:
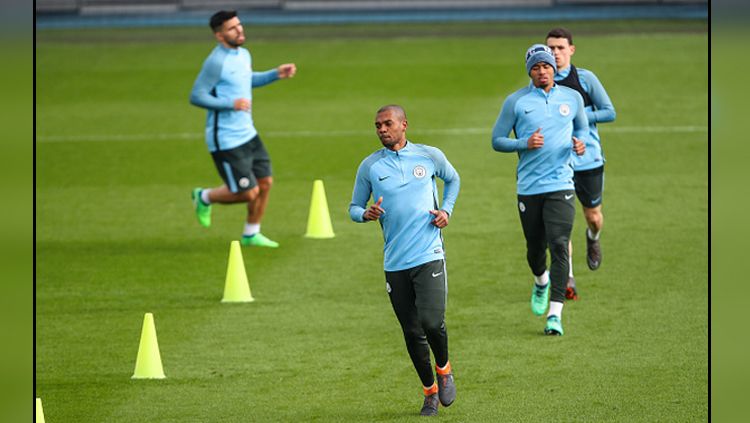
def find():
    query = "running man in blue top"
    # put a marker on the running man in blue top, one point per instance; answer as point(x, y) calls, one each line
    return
point(224, 88)
point(589, 168)
point(550, 125)
point(401, 180)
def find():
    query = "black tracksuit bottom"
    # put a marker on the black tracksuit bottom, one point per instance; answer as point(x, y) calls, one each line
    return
point(418, 296)
point(547, 221)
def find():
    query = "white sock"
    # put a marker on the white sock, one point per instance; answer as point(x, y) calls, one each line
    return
point(570, 262)
point(593, 236)
point(204, 196)
point(555, 309)
point(542, 280)
point(251, 229)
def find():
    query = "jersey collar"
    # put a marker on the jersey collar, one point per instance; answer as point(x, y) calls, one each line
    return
point(541, 91)
point(406, 148)
point(229, 50)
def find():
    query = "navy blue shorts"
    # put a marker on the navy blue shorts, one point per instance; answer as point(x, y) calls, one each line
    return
point(589, 186)
point(242, 166)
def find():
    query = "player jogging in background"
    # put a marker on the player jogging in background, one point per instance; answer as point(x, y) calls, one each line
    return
point(589, 168)
point(401, 180)
point(224, 88)
point(549, 123)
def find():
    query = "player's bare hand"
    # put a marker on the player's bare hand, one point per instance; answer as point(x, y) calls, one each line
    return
point(579, 146)
point(375, 211)
point(441, 218)
point(536, 140)
point(242, 104)
point(287, 70)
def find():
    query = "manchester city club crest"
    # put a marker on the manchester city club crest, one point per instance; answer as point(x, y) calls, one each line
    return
point(420, 172)
point(244, 182)
point(521, 206)
point(564, 109)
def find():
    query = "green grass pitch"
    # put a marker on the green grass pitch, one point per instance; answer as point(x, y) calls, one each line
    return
point(119, 149)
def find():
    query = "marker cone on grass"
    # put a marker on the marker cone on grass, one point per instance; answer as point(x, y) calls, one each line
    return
point(319, 221)
point(39, 412)
point(148, 362)
point(236, 287)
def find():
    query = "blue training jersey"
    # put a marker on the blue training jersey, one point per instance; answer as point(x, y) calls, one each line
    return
point(600, 111)
point(406, 181)
point(560, 115)
point(227, 75)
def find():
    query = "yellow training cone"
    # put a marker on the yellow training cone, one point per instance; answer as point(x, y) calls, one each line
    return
point(319, 221)
point(39, 412)
point(236, 287)
point(148, 362)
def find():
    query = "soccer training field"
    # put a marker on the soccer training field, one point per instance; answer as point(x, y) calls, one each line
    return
point(119, 148)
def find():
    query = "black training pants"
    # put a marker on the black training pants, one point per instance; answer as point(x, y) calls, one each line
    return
point(547, 221)
point(418, 296)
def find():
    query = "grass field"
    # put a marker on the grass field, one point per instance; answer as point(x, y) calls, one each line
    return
point(119, 149)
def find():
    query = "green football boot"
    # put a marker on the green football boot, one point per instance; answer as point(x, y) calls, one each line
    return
point(539, 299)
point(554, 326)
point(202, 210)
point(258, 240)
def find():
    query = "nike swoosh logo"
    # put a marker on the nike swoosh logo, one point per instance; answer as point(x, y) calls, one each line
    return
point(528, 111)
point(596, 200)
point(383, 178)
point(434, 275)
point(568, 197)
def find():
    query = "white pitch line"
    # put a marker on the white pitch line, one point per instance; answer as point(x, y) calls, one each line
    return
point(339, 133)
point(662, 129)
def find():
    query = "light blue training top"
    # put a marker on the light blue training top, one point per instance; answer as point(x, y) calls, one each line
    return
point(601, 111)
point(227, 75)
point(406, 181)
point(561, 116)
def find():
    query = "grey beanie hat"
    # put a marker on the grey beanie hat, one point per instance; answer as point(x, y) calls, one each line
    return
point(539, 53)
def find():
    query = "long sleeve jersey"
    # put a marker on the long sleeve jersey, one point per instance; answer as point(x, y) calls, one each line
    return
point(227, 75)
point(406, 181)
point(600, 110)
point(560, 115)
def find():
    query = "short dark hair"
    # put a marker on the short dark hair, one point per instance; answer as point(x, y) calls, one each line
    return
point(560, 33)
point(393, 108)
point(218, 19)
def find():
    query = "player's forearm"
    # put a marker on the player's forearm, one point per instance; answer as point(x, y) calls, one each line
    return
point(605, 114)
point(207, 101)
point(450, 193)
point(581, 134)
point(201, 93)
point(264, 78)
point(503, 125)
point(356, 213)
point(580, 121)
point(604, 110)
point(508, 145)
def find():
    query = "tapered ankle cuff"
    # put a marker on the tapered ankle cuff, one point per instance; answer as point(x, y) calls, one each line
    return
point(445, 370)
point(431, 390)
